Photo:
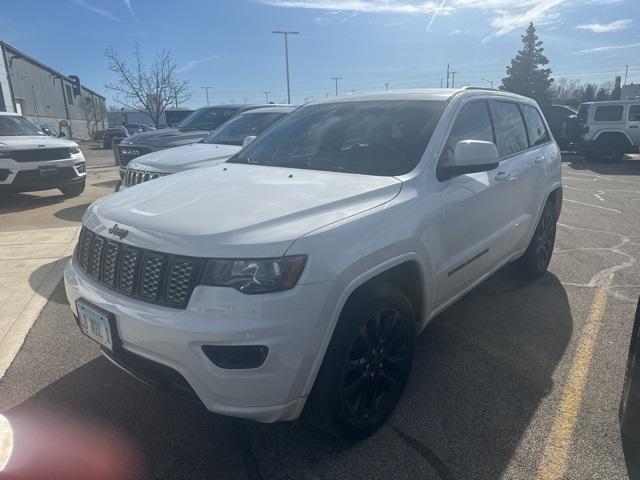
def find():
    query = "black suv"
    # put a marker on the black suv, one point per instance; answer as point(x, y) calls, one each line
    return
point(191, 130)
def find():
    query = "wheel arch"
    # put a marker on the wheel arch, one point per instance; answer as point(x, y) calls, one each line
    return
point(616, 135)
point(409, 268)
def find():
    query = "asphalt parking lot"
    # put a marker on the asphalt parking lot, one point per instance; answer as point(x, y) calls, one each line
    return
point(517, 380)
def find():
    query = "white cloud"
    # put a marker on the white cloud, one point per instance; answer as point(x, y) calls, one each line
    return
point(191, 64)
point(606, 48)
point(96, 10)
point(606, 27)
point(508, 14)
point(127, 3)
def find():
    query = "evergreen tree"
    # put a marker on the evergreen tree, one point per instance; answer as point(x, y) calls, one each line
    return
point(525, 75)
point(616, 93)
point(602, 95)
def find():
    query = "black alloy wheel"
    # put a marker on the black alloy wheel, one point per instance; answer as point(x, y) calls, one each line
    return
point(375, 366)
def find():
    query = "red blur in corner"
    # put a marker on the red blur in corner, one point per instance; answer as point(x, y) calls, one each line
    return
point(57, 447)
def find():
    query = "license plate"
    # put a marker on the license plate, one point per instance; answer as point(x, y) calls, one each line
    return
point(95, 325)
point(48, 171)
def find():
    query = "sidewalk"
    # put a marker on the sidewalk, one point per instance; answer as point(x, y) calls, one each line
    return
point(31, 265)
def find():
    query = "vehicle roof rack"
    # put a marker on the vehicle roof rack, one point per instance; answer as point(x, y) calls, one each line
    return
point(469, 87)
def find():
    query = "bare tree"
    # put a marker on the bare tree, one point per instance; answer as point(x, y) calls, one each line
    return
point(149, 90)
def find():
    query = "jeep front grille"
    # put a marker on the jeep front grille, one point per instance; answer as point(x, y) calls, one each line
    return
point(126, 153)
point(134, 176)
point(138, 273)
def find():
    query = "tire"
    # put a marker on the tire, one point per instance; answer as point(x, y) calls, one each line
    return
point(535, 261)
point(357, 386)
point(73, 190)
point(608, 151)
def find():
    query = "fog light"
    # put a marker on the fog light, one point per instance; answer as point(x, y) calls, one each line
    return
point(236, 356)
point(80, 167)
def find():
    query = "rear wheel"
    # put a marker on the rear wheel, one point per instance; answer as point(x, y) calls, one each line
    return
point(366, 365)
point(73, 190)
point(608, 151)
point(535, 261)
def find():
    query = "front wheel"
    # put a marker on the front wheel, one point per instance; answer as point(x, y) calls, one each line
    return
point(608, 151)
point(535, 261)
point(73, 190)
point(367, 364)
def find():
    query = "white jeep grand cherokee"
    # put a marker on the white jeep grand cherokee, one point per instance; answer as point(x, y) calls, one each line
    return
point(299, 272)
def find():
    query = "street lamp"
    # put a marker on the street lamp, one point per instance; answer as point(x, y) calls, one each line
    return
point(286, 34)
point(489, 81)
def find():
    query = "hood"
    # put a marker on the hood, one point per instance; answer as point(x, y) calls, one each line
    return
point(182, 158)
point(17, 142)
point(165, 138)
point(236, 210)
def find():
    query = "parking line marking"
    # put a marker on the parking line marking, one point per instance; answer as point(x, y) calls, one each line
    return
point(553, 465)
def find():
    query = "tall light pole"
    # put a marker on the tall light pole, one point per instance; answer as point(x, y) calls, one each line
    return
point(266, 96)
point(286, 34)
point(335, 79)
point(490, 82)
point(386, 86)
point(206, 89)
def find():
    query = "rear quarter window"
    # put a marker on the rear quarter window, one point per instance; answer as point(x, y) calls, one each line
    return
point(634, 113)
point(608, 113)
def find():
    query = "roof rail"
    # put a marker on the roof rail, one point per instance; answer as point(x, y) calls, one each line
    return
point(469, 87)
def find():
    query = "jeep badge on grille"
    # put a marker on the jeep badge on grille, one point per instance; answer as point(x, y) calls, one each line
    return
point(118, 231)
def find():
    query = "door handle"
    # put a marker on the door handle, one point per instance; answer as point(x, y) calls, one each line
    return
point(502, 175)
point(539, 160)
point(633, 126)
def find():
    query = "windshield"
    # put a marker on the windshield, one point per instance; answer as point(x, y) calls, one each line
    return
point(235, 131)
point(207, 118)
point(11, 125)
point(385, 137)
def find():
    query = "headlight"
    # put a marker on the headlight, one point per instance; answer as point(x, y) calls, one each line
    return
point(74, 150)
point(5, 153)
point(255, 276)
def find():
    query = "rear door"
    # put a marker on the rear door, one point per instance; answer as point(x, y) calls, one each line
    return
point(519, 173)
point(633, 123)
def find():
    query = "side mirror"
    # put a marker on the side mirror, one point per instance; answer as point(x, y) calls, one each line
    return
point(471, 156)
point(248, 140)
point(62, 134)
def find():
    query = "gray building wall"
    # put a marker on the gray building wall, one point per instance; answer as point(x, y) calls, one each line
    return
point(44, 95)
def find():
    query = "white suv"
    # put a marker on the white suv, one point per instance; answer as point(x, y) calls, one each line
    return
point(31, 160)
point(609, 129)
point(300, 271)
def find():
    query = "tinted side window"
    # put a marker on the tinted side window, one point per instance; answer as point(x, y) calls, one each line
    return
point(510, 130)
point(535, 126)
point(634, 113)
point(472, 123)
point(608, 113)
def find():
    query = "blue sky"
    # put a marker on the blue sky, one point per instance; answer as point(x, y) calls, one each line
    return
point(228, 44)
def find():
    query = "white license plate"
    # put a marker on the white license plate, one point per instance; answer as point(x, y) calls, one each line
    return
point(95, 325)
point(48, 171)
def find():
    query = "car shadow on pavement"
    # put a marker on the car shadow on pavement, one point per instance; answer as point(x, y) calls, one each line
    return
point(20, 202)
point(481, 370)
point(111, 184)
point(626, 166)
point(72, 214)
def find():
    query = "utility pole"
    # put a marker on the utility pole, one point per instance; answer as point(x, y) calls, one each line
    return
point(626, 71)
point(386, 86)
point(336, 80)
point(441, 80)
point(447, 75)
point(308, 99)
point(453, 79)
point(488, 81)
point(286, 34)
point(266, 96)
point(206, 89)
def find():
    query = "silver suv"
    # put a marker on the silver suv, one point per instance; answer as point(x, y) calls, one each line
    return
point(609, 129)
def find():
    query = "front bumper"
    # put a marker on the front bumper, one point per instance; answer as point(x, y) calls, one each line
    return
point(27, 177)
point(288, 323)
